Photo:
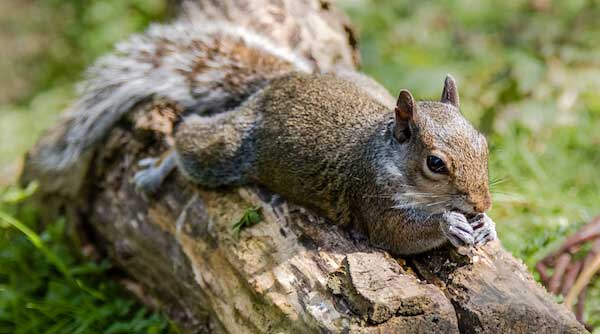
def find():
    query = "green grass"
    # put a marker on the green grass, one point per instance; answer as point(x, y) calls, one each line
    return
point(47, 287)
point(528, 74)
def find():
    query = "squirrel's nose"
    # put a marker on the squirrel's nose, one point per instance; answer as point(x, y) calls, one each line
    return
point(479, 208)
point(482, 205)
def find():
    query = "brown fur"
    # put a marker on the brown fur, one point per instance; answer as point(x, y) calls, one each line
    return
point(326, 143)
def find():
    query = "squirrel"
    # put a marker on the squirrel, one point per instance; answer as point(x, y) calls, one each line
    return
point(412, 175)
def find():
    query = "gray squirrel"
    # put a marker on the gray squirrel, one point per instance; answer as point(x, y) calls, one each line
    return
point(412, 175)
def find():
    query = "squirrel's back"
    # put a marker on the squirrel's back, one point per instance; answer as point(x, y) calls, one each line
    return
point(314, 132)
point(209, 61)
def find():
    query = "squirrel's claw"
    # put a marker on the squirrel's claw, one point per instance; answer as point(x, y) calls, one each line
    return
point(149, 179)
point(484, 229)
point(463, 232)
point(457, 229)
point(147, 162)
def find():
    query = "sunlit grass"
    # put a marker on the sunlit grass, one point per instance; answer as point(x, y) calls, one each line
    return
point(47, 287)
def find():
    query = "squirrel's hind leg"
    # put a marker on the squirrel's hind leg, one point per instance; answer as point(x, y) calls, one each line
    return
point(149, 179)
point(217, 150)
point(211, 151)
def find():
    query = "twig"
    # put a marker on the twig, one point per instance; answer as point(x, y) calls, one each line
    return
point(543, 270)
point(579, 310)
point(583, 279)
point(588, 232)
point(570, 276)
point(559, 270)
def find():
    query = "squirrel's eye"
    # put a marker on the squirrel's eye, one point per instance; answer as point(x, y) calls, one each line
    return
point(436, 165)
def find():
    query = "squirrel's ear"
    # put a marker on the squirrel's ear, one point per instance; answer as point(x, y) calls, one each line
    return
point(405, 108)
point(450, 92)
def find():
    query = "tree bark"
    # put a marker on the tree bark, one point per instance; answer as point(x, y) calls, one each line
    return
point(293, 272)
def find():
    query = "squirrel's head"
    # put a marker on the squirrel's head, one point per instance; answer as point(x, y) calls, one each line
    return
point(440, 161)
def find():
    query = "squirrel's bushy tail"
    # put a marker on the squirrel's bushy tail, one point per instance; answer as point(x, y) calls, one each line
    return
point(202, 67)
point(213, 58)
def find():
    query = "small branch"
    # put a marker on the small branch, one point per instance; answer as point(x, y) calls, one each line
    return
point(543, 271)
point(583, 280)
point(588, 232)
point(580, 309)
point(559, 270)
point(570, 277)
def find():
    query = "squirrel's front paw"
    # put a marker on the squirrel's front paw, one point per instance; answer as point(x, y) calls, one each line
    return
point(457, 229)
point(484, 229)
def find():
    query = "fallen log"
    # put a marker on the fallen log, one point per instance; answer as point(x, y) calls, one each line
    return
point(293, 271)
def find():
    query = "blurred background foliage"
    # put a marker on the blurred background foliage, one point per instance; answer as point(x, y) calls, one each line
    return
point(45, 47)
point(529, 76)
